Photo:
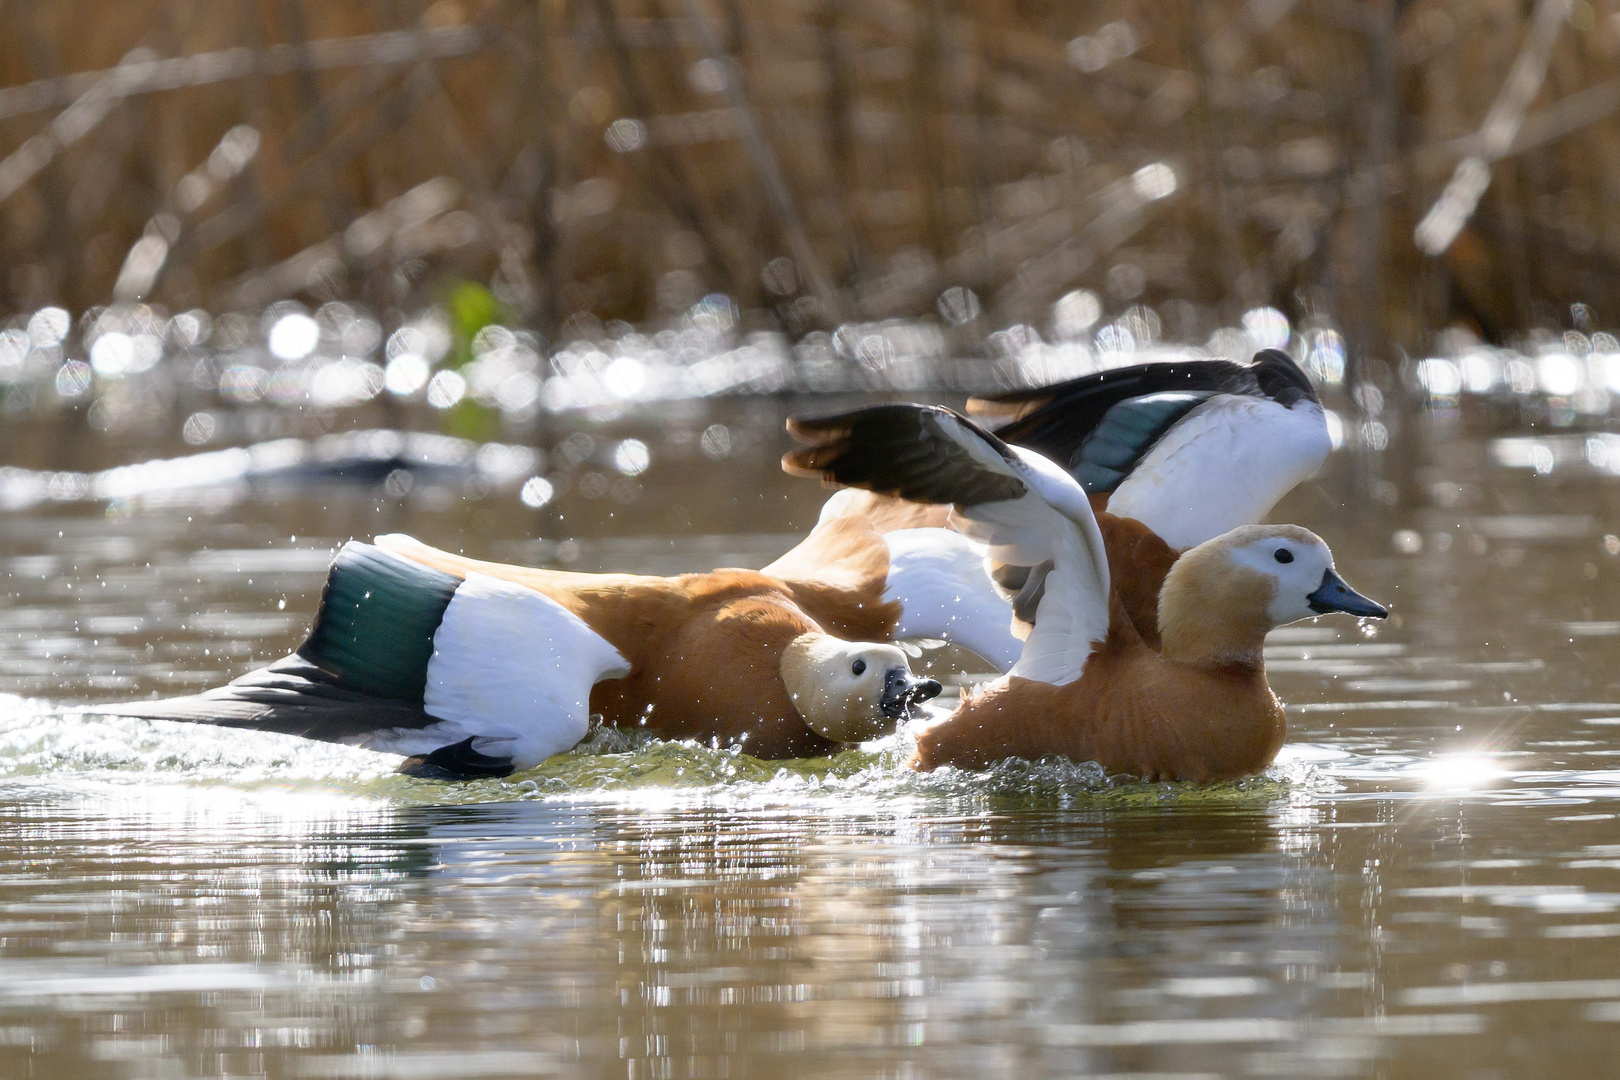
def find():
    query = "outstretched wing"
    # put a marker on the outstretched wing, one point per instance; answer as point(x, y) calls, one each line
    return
point(1025, 508)
point(408, 659)
point(1225, 464)
point(920, 453)
point(1191, 448)
point(1057, 420)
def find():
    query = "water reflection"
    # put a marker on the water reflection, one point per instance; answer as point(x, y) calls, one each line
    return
point(589, 940)
point(1427, 884)
point(585, 937)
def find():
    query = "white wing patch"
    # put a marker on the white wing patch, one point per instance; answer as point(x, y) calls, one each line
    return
point(1071, 620)
point(1225, 464)
point(513, 669)
point(939, 580)
point(1052, 521)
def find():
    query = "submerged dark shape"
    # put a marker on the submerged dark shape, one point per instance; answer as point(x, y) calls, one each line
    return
point(459, 761)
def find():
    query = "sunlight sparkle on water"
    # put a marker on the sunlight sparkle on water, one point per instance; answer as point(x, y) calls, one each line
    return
point(1463, 771)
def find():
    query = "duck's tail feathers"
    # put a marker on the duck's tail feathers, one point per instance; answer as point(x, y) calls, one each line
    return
point(291, 696)
point(363, 667)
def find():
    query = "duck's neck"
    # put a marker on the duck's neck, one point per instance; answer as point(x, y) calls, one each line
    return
point(1213, 620)
point(1214, 646)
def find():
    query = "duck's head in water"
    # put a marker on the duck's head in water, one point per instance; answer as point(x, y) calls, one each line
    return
point(850, 691)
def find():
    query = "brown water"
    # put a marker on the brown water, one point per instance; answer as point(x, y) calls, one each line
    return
point(1426, 885)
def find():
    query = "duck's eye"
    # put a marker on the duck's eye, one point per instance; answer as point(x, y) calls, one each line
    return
point(1283, 555)
point(858, 668)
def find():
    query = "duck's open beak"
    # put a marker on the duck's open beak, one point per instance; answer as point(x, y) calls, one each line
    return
point(901, 691)
point(1334, 594)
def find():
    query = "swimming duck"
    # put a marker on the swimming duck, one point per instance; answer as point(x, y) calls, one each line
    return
point(1170, 455)
point(481, 669)
point(1085, 683)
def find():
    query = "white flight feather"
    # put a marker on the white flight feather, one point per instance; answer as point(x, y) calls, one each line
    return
point(938, 578)
point(511, 668)
point(1225, 464)
point(1052, 520)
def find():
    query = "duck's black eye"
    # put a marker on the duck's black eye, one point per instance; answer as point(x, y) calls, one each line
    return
point(858, 667)
point(1283, 555)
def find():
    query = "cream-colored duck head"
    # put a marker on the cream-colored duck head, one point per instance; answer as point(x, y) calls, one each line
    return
point(1222, 597)
point(849, 691)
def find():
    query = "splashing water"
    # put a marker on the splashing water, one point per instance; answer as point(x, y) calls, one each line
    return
point(104, 750)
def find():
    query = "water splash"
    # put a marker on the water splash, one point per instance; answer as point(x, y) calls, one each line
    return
point(39, 743)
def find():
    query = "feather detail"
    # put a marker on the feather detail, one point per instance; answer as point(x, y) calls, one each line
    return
point(1023, 507)
point(938, 579)
point(510, 663)
point(375, 625)
point(1225, 464)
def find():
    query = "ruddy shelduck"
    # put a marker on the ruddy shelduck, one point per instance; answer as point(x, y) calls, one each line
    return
point(1085, 683)
point(481, 669)
point(1169, 454)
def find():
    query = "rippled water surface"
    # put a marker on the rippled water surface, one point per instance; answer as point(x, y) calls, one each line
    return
point(1427, 883)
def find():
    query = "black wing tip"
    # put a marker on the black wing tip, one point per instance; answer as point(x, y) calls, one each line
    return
point(815, 462)
point(826, 440)
point(839, 430)
point(813, 428)
point(1055, 419)
point(900, 449)
point(458, 761)
point(1280, 376)
point(817, 429)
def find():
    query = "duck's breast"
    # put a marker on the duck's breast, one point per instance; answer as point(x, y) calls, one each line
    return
point(1131, 711)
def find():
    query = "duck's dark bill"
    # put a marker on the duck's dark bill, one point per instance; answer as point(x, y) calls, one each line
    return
point(900, 692)
point(1334, 594)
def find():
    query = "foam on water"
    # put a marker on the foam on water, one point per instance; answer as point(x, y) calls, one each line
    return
point(93, 752)
point(39, 741)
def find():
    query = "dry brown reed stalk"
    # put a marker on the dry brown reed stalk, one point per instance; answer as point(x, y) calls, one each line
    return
point(816, 160)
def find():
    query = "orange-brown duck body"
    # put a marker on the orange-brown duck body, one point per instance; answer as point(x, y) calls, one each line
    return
point(1154, 666)
point(1197, 709)
point(706, 650)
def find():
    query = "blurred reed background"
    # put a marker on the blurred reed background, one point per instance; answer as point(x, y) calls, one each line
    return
point(594, 199)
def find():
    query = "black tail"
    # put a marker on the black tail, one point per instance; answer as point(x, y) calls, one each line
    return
point(291, 696)
point(362, 670)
